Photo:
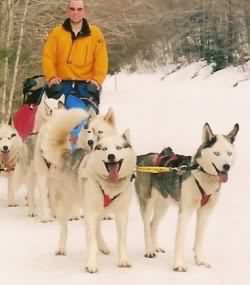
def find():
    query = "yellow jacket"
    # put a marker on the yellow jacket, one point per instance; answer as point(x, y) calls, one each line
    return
point(75, 58)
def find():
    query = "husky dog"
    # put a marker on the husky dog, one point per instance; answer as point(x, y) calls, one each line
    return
point(103, 125)
point(197, 188)
point(98, 126)
point(13, 160)
point(64, 193)
point(106, 175)
point(87, 138)
point(44, 112)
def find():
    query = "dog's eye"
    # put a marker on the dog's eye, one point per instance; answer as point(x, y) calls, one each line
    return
point(127, 145)
point(98, 147)
point(89, 132)
point(104, 148)
point(229, 153)
point(13, 135)
point(100, 132)
point(217, 153)
point(118, 147)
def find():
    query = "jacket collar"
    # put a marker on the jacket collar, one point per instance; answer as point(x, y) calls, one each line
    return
point(84, 32)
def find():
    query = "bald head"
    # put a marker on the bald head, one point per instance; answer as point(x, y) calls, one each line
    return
point(77, 1)
point(76, 11)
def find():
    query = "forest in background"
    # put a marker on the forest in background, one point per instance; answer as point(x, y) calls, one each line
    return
point(138, 33)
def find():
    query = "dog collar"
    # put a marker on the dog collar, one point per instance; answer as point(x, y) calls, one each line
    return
point(107, 200)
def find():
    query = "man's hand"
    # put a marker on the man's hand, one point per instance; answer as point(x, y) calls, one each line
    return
point(95, 83)
point(54, 80)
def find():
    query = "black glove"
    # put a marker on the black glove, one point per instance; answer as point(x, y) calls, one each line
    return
point(54, 91)
point(94, 93)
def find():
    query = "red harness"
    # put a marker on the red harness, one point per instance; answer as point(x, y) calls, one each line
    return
point(107, 200)
point(204, 196)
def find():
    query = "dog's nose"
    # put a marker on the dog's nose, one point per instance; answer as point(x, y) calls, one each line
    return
point(226, 167)
point(5, 148)
point(111, 157)
point(90, 143)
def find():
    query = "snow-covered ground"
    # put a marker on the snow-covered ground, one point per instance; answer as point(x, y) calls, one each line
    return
point(158, 113)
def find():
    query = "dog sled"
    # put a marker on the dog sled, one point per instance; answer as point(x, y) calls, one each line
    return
point(79, 94)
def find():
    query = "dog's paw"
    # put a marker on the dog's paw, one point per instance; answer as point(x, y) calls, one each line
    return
point(201, 262)
point(31, 214)
point(91, 269)
point(74, 219)
point(160, 250)
point(46, 220)
point(104, 250)
point(150, 254)
point(107, 218)
point(180, 268)
point(12, 205)
point(60, 252)
point(124, 264)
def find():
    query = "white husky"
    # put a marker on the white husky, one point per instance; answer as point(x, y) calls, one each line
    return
point(39, 170)
point(65, 195)
point(107, 174)
point(198, 188)
point(13, 160)
point(103, 124)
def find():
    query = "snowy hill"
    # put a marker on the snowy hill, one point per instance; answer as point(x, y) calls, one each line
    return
point(159, 113)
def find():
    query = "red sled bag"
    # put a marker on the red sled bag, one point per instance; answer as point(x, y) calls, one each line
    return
point(24, 120)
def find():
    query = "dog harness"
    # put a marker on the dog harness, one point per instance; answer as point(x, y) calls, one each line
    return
point(107, 200)
point(204, 196)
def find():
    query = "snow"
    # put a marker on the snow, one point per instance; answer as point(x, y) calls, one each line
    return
point(159, 113)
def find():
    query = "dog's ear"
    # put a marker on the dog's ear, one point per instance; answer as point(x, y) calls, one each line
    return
point(207, 133)
point(126, 136)
point(44, 96)
point(62, 99)
point(231, 136)
point(110, 117)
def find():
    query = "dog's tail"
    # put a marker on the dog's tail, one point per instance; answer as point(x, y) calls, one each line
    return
point(57, 138)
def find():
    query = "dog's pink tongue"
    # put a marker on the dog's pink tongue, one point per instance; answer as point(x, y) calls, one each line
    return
point(114, 171)
point(4, 157)
point(223, 178)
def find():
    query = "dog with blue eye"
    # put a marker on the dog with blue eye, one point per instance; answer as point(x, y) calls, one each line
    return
point(196, 187)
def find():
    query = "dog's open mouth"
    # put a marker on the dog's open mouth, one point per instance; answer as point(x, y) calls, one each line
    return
point(113, 169)
point(4, 155)
point(223, 175)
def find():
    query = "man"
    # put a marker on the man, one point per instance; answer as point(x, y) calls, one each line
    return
point(75, 60)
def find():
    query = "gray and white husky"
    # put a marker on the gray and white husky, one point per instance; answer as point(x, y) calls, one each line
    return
point(196, 188)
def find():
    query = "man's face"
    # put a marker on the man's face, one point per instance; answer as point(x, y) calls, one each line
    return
point(76, 11)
